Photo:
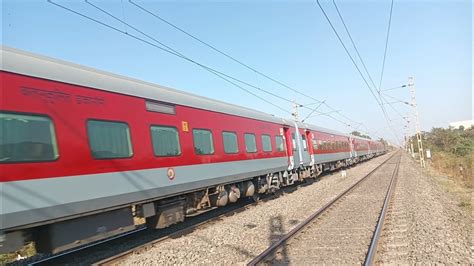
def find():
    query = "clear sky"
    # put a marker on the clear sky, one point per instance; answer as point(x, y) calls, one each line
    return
point(288, 40)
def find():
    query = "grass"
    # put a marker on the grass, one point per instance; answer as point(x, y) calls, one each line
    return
point(445, 166)
point(448, 164)
point(27, 251)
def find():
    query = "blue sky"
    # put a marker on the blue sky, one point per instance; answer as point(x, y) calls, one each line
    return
point(288, 40)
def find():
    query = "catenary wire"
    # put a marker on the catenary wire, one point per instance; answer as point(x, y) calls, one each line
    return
point(353, 44)
point(157, 16)
point(357, 67)
point(154, 14)
point(386, 45)
point(355, 48)
point(165, 50)
point(314, 110)
point(173, 52)
point(183, 56)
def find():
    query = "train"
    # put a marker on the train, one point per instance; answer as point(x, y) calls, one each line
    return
point(85, 154)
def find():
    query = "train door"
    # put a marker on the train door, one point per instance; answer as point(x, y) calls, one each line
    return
point(305, 148)
point(295, 142)
point(310, 140)
point(289, 147)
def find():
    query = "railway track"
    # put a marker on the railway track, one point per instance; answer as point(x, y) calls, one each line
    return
point(112, 250)
point(344, 231)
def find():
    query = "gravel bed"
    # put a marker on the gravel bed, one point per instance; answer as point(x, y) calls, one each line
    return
point(342, 235)
point(424, 224)
point(239, 238)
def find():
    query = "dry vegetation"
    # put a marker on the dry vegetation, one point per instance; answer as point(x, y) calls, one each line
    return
point(452, 154)
point(27, 251)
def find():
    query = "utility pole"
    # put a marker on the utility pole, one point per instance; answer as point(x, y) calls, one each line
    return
point(421, 152)
point(295, 111)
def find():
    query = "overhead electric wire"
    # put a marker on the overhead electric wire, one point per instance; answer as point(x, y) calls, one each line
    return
point(394, 88)
point(314, 110)
point(394, 109)
point(357, 50)
point(176, 53)
point(379, 101)
point(347, 51)
point(396, 99)
point(185, 57)
point(325, 113)
point(353, 61)
point(170, 51)
point(386, 46)
point(353, 43)
point(154, 14)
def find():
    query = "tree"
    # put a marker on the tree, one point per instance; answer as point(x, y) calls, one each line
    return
point(443, 139)
point(384, 142)
point(358, 134)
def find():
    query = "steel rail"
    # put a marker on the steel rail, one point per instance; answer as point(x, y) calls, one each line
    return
point(55, 256)
point(370, 257)
point(118, 257)
point(113, 260)
point(278, 244)
point(48, 260)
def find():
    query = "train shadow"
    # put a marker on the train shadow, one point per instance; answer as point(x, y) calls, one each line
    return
point(276, 232)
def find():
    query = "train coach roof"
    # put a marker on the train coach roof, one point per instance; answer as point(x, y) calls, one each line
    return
point(22, 62)
point(26, 63)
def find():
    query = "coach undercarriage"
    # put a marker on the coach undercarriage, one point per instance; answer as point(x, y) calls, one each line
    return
point(59, 236)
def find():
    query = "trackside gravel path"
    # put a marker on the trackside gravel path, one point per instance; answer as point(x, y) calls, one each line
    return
point(424, 223)
point(239, 238)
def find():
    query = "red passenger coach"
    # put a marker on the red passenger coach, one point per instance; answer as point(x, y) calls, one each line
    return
point(83, 152)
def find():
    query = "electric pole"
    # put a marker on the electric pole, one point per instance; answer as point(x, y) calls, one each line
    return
point(295, 111)
point(421, 152)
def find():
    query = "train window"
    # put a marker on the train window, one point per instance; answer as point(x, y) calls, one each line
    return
point(27, 138)
point(279, 143)
point(160, 107)
point(250, 142)
point(165, 141)
point(203, 143)
point(230, 142)
point(266, 143)
point(305, 144)
point(109, 140)
point(315, 144)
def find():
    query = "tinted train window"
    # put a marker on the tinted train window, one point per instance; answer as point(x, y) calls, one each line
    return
point(230, 142)
point(203, 143)
point(27, 138)
point(165, 141)
point(267, 143)
point(279, 143)
point(315, 144)
point(250, 142)
point(109, 140)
